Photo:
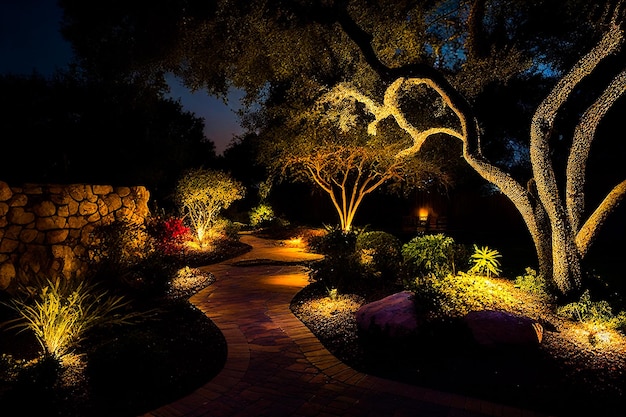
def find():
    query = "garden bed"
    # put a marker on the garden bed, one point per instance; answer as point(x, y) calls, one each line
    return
point(123, 370)
point(127, 371)
point(565, 376)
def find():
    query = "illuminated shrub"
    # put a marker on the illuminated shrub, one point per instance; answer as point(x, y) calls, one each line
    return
point(223, 228)
point(381, 253)
point(170, 234)
point(341, 266)
point(261, 215)
point(128, 257)
point(437, 255)
point(201, 194)
point(457, 295)
point(533, 283)
point(335, 243)
point(117, 248)
point(595, 313)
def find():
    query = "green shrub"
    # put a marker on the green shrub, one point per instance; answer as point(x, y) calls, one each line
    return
point(596, 313)
point(457, 295)
point(224, 228)
point(335, 243)
point(130, 257)
point(485, 262)
point(533, 283)
point(116, 249)
point(261, 215)
point(341, 266)
point(381, 253)
point(61, 312)
point(437, 255)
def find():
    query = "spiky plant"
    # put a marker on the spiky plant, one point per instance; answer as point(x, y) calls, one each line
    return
point(485, 262)
point(60, 312)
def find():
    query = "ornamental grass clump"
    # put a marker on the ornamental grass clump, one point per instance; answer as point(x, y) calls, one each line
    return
point(61, 312)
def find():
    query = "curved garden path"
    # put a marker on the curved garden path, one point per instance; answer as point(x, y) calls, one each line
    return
point(276, 367)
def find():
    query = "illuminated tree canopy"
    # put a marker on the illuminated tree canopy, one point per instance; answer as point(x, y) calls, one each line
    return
point(255, 45)
point(561, 237)
point(288, 54)
point(348, 164)
point(201, 194)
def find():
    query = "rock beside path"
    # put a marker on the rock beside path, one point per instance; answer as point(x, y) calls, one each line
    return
point(491, 328)
point(393, 317)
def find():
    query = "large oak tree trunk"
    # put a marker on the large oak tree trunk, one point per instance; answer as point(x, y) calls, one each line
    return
point(553, 218)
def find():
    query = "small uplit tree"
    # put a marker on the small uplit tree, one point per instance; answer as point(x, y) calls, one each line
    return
point(348, 164)
point(201, 194)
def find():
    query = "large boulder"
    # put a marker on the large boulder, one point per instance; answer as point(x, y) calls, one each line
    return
point(391, 317)
point(493, 329)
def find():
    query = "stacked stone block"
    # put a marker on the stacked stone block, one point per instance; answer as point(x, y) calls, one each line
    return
point(47, 229)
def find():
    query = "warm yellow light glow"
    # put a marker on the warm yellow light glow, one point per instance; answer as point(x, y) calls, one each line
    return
point(423, 214)
point(200, 233)
point(287, 280)
point(328, 307)
point(192, 245)
point(294, 242)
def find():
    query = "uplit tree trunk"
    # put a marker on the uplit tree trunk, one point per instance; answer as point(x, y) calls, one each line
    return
point(564, 217)
point(554, 224)
point(346, 175)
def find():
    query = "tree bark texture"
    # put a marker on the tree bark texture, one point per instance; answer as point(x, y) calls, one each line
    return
point(553, 217)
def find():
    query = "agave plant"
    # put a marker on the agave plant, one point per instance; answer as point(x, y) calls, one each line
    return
point(485, 262)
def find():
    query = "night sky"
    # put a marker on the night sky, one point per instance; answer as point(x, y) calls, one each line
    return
point(30, 40)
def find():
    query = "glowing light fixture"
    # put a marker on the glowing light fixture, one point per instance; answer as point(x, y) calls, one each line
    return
point(422, 217)
point(422, 214)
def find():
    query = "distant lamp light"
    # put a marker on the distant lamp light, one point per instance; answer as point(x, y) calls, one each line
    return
point(422, 216)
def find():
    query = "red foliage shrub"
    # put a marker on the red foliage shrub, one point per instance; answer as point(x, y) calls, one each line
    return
point(170, 234)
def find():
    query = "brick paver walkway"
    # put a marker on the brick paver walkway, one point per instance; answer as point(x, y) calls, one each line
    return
point(276, 367)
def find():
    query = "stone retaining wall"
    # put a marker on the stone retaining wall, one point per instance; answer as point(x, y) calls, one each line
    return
point(46, 229)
